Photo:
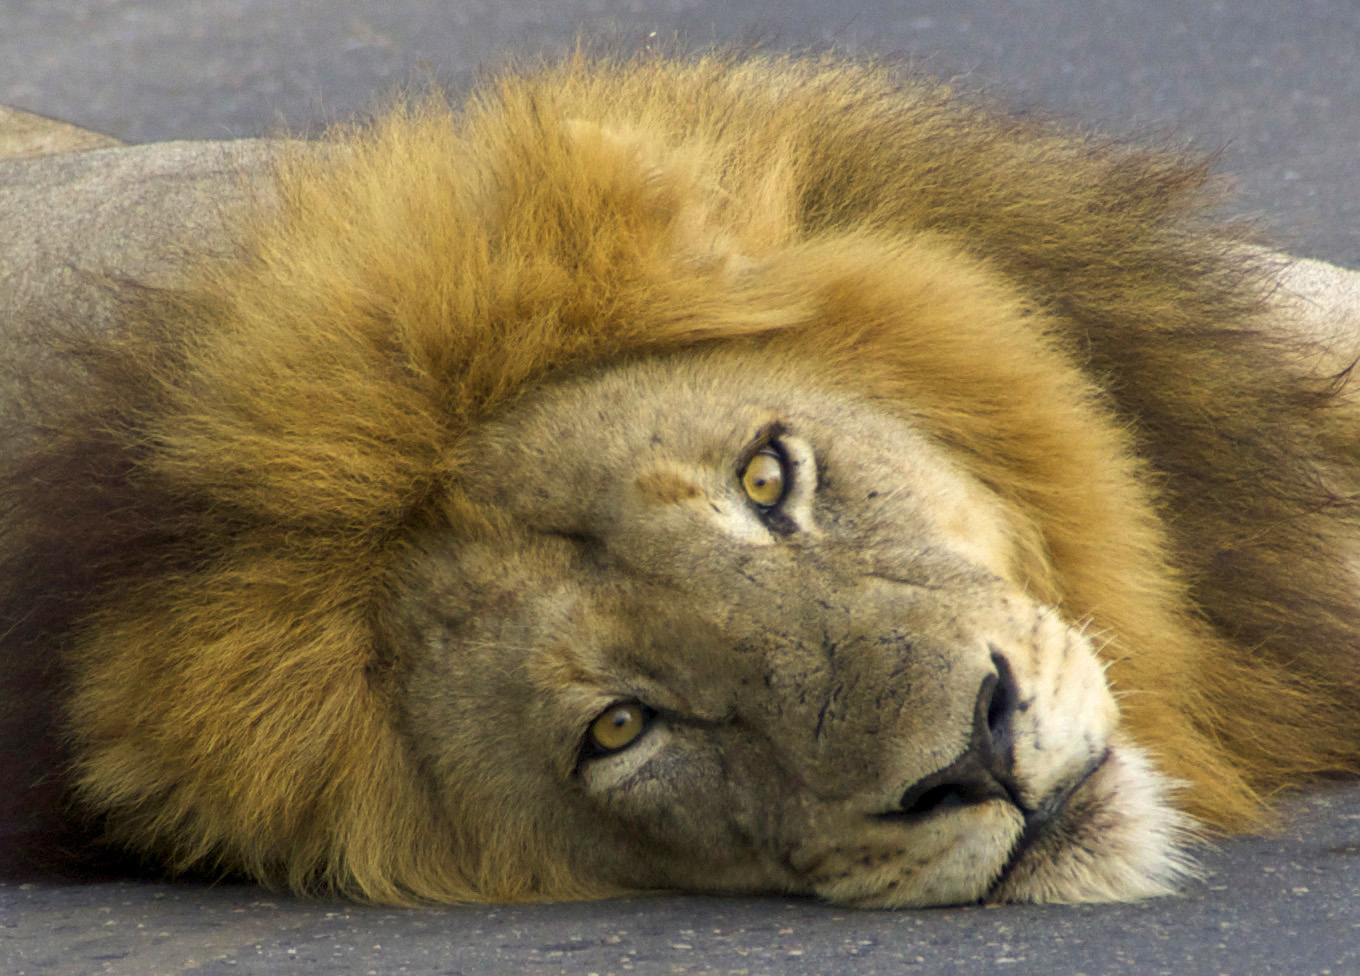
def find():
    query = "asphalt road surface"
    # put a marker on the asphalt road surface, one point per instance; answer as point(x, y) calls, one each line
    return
point(1283, 905)
point(1274, 85)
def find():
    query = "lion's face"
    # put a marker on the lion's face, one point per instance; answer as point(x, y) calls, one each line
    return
point(718, 630)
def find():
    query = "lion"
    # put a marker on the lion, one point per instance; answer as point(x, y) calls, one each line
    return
point(733, 474)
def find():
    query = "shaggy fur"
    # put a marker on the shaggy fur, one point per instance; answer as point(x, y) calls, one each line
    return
point(208, 529)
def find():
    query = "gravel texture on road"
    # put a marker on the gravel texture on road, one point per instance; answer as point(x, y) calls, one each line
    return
point(1283, 905)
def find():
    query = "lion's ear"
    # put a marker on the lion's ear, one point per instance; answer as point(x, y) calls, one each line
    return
point(679, 186)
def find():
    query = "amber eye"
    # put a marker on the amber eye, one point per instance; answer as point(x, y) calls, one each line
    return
point(764, 478)
point(619, 726)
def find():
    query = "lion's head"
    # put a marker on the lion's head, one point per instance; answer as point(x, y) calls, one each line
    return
point(730, 631)
point(718, 475)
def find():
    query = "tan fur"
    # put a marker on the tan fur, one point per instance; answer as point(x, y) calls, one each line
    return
point(224, 517)
point(24, 135)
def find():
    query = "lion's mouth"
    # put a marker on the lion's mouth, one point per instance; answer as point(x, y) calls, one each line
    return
point(1041, 821)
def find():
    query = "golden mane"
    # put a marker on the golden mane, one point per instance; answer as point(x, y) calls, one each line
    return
point(207, 526)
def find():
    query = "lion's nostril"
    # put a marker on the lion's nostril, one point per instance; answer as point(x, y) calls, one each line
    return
point(1002, 705)
point(962, 783)
point(983, 772)
point(941, 797)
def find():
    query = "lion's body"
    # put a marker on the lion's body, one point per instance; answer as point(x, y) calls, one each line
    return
point(282, 525)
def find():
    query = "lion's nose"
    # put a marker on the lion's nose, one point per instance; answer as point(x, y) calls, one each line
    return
point(983, 772)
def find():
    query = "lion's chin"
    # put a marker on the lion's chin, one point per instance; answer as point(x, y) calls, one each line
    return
point(1117, 838)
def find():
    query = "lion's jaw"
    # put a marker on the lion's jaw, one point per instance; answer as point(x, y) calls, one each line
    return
point(811, 668)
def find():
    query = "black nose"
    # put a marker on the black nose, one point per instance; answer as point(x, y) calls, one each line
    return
point(983, 772)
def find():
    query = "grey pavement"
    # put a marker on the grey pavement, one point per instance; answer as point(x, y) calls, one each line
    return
point(1282, 905)
point(1274, 84)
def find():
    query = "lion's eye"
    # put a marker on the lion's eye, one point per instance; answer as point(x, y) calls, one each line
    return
point(617, 727)
point(764, 479)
